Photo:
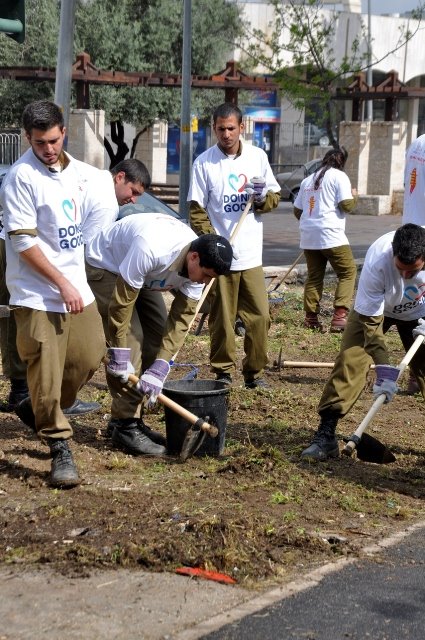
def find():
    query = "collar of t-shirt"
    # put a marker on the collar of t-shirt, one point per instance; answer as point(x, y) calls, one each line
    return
point(234, 155)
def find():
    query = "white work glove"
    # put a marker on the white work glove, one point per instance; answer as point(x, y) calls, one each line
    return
point(419, 330)
point(119, 364)
point(152, 381)
point(386, 381)
point(257, 187)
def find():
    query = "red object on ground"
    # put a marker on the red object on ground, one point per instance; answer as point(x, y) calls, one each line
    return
point(206, 575)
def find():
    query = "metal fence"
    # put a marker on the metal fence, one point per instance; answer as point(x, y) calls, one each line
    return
point(10, 147)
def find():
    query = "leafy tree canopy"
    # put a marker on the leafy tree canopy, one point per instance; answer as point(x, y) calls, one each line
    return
point(130, 35)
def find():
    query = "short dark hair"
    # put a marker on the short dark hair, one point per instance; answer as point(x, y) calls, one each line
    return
point(43, 115)
point(226, 110)
point(409, 243)
point(215, 252)
point(135, 171)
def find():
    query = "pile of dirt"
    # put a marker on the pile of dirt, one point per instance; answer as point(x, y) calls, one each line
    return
point(256, 513)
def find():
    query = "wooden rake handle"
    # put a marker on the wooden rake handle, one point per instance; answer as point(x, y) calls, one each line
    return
point(354, 439)
point(181, 411)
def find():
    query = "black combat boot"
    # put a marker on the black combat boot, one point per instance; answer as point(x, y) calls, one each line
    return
point(63, 471)
point(324, 444)
point(18, 392)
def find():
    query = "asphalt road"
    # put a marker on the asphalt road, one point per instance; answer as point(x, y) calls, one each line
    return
point(376, 598)
point(282, 238)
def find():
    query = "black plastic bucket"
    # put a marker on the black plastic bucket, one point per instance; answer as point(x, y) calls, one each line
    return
point(204, 398)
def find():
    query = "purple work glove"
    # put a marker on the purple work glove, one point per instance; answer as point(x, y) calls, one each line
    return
point(257, 187)
point(419, 330)
point(119, 364)
point(151, 382)
point(386, 381)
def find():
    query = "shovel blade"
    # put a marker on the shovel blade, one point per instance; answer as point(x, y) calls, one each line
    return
point(193, 440)
point(369, 449)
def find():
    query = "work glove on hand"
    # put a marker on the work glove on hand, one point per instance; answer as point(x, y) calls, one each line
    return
point(119, 364)
point(419, 330)
point(152, 381)
point(386, 381)
point(257, 187)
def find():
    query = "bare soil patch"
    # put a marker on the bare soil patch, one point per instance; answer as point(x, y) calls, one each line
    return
point(257, 513)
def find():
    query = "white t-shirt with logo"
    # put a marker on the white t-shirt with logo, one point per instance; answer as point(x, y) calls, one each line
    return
point(414, 183)
point(144, 250)
point(218, 183)
point(34, 197)
point(322, 223)
point(382, 290)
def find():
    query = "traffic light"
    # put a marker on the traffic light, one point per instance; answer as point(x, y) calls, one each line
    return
point(12, 19)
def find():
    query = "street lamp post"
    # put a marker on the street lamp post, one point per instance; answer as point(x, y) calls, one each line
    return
point(65, 58)
point(369, 76)
point(186, 124)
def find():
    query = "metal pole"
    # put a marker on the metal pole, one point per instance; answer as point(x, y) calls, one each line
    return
point(369, 77)
point(65, 58)
point(186, 125)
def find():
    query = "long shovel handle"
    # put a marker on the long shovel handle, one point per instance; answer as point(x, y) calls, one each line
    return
point(181, 411)
point(293, 265)
point(207, 287)
point(354, 439)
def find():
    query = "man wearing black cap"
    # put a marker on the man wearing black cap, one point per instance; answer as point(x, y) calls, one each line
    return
point(159, 253)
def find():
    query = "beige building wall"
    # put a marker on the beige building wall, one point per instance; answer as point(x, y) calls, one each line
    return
point(151, 149)
point(85, 136)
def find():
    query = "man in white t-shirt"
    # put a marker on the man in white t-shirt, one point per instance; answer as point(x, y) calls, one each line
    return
point(218, 195)
point(103, 192)
point(157, 253)
point(391, 291)
point(414, 183)
point(59, 329)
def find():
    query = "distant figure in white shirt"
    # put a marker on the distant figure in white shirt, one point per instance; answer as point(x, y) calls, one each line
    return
point(414, 183)
point(321, 204)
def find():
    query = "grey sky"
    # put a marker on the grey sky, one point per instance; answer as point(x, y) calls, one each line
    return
point(390, 6)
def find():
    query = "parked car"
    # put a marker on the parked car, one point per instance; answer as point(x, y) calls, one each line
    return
point(290, 181)
point(148, 203)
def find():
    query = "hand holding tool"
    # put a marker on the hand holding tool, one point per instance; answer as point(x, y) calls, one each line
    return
point(386, 381)
point(419, 330)
point(257, 188)
point(152, 381)
point(368, 448)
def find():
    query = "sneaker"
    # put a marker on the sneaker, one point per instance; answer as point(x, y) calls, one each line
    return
point(132, 440)
point(311, 321)
point(256, 383)
point(226, 378)
point(79, 408)
point(324, 444)
point(240, 328)
point(339, 320)
point(63, 470)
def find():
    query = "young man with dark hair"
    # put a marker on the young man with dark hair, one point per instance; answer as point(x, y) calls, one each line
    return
point(59, 329)
point(219, 192)
point(158, 253)
point(391, 291)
